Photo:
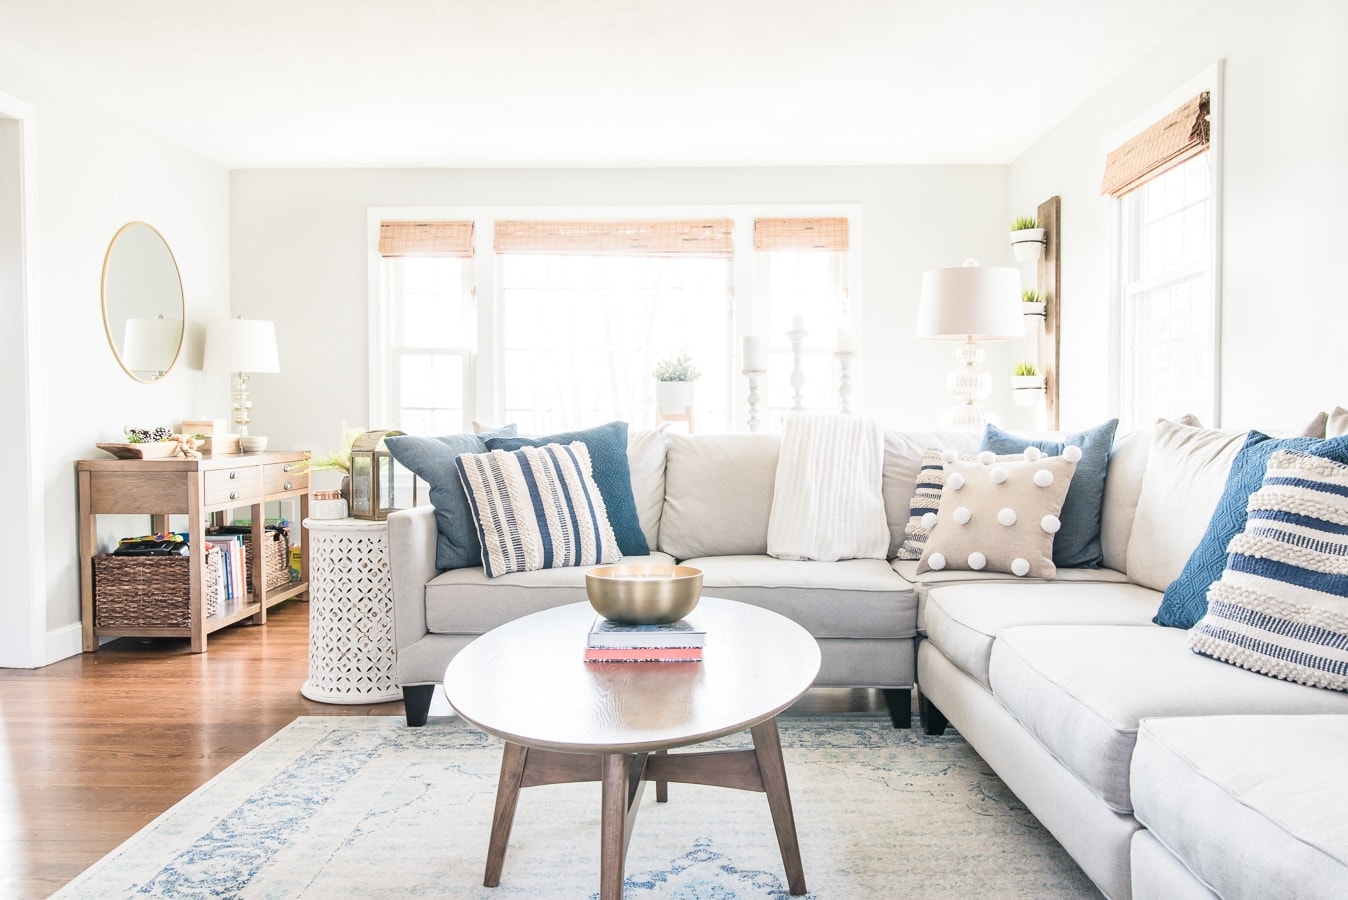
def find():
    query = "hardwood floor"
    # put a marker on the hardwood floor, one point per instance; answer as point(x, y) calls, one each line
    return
point(94, 747)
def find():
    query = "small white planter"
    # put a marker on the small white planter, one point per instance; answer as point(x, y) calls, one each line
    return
point(1027, 244)
point(1026, 390)
point(674, 396)
point(1037, 308)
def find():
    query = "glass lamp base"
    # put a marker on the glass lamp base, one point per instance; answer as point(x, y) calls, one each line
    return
point(967, 417)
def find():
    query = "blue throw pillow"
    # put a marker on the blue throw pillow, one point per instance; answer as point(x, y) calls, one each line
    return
point(432, 460)
point(612, 472)
point(1077, 544)
point(1186, 599)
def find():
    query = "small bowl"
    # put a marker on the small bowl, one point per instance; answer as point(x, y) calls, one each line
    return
point(253, 443)
point(643, 594)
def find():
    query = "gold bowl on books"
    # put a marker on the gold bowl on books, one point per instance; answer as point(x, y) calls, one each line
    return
point(643, 594)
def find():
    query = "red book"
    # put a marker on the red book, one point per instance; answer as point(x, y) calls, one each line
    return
point(643, 654)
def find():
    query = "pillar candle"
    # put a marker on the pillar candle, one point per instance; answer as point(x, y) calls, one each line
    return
point(844, 340)
point(797, 322)
point(753, 353)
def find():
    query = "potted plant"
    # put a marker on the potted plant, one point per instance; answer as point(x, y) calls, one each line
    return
point(338, 460)
point(674, 377)
point(1031, 304)
point(1027, 238)
point(1027, 384)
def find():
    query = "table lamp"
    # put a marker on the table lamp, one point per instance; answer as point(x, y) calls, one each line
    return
point(241, 346)
point(970, 303)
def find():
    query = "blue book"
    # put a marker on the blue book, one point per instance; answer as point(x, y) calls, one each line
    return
point(683, 633)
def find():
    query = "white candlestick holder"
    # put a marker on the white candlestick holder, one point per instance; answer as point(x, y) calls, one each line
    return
point(797, 338)
point(844, 358)
point(753, 375)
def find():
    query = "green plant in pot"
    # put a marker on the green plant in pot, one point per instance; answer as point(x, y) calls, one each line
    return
point(1027, 385)
point(674, 378)
point(1027, 238)
point(338, 460)
point(1032, 303)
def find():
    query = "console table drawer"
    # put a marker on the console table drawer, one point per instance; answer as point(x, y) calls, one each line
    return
point(280, 477)
point(224, 485)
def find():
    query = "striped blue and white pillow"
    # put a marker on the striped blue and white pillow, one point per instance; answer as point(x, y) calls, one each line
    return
point(1281, 606)
point(537, 508)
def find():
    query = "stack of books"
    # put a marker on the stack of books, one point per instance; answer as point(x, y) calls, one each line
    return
point(609, 642)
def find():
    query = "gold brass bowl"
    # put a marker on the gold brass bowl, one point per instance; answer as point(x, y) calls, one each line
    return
point(643, 594)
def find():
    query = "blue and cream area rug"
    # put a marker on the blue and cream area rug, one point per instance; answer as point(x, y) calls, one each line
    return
point(349, 806)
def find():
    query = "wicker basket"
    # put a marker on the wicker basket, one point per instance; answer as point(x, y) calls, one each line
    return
point(151, 591)
point(275, 555)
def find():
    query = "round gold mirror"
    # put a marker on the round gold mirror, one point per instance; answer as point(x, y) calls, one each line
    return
point(143, 309)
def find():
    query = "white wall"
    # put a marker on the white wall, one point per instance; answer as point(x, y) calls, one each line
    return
point(95, 171)
point(299, 240)
point(1284, 197)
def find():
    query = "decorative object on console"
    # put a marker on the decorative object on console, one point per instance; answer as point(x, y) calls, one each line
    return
point(432, 460)
point(643, 595)
point(1000, 516)
point(969, 303)
point(755, 364)
point(537, 508)
point(1027, 239)
point(252, 443)
point(612, 471)
point(240, 346)
point(1185, 600)
point(1077, 545)
point(1278, 608)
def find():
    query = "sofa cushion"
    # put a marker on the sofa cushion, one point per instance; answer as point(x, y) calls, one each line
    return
point(718, 494)
point(1253, 805)
point(903, 461)
point(1186, 597)
point(646, 459)
point(1281, 606)
point(963, 620)
point(612, 473)
point(1082, 689)
point(432, 460)
point(1187, 468)
point(1000, 515)
point(1337, 424)
point(1077, 545)
point(851, 598)
point(537, 508)
point(1123, 487)
point(467, 602)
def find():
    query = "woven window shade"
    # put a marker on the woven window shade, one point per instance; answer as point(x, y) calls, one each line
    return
point(1178, 137)
point(426, 239)
point(801, 234)
point(657, 237)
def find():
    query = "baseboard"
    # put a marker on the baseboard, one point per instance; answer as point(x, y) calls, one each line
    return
point(64, 642)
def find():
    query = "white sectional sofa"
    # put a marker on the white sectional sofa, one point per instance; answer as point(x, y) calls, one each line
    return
point(1097, 718)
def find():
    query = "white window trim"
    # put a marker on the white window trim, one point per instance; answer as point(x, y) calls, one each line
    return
point(748, 309)
point(1210, 80)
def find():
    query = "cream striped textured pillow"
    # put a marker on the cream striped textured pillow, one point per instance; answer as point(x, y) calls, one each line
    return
point(537, 508)
point(1281, 606)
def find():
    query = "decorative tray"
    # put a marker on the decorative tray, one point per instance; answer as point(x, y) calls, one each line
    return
point(147, 450)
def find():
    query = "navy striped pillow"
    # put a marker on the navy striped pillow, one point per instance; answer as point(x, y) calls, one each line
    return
point(537, 508)
point(1281, 606)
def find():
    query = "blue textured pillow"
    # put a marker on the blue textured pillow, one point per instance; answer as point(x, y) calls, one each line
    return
point(432, 460)
point(1186, 599)
point(1077, 545)
point(612, 472)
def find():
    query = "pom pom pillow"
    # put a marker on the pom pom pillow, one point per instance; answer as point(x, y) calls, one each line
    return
point(537, 508)
point(1281, 606)
point(1000, 515)
point(927, 500)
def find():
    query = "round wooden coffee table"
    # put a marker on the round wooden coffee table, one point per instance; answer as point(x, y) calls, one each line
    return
point(565, 720)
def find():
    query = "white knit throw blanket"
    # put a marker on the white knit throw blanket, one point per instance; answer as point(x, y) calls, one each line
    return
point(826, 501)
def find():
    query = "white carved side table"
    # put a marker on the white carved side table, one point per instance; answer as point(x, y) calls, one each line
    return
point(352, 655)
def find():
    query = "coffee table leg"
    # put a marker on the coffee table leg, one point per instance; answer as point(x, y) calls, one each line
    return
point(507, 796)
point(662, 787)
point(613, 826)
point(773, 769)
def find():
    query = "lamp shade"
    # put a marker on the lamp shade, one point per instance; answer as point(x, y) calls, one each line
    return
point(240, 345)
point(980, 303)
point(151, 345)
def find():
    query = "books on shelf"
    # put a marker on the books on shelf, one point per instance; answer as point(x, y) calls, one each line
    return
point(680, 641)
point(233, 582)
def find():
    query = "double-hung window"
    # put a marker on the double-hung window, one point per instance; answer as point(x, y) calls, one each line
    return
point(1165, 183)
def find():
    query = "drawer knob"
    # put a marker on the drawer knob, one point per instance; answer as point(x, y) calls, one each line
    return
point(285, 468)
point(287, 485)
point(234, 495)
point(233, 475)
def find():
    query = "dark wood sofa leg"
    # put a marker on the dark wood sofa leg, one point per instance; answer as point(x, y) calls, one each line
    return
point(932, 720)
point(417, 703)
point(900, 703)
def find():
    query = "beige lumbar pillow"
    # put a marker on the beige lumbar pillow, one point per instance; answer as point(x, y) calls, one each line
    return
point(1000, 515)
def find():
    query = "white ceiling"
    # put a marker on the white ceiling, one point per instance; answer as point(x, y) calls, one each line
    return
point(318, 83)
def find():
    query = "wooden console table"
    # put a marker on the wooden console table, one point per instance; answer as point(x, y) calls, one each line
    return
point(198, 489)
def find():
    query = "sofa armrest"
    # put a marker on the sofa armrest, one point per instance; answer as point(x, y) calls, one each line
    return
point(411, 560)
